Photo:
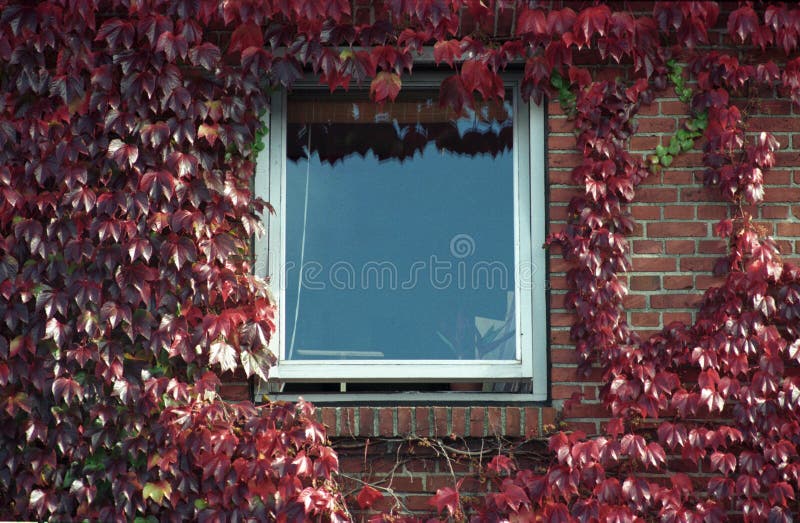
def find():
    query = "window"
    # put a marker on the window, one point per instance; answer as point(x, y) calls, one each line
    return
point(406, 246)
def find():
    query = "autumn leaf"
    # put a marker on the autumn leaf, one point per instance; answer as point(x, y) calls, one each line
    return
point(385, 86)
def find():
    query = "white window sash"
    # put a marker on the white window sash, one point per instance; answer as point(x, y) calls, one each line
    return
point(529, 235)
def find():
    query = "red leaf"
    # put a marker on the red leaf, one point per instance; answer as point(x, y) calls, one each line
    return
point(123, 153)
point(453, 94)
point(448, 498)
point(532, 21)
point(591, 21)
point(66, 389)
point(205, 55)
point(368, 496)
point(246, 35)
point(385, 85)
point(447, 51)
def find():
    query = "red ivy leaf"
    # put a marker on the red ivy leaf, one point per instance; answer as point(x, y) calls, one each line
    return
point(447, 51)
point(368, 496)
point(454, 94)
point(385, 85)
point(246, 35)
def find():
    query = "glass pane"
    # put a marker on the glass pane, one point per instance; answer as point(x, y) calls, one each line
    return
point(399, 230)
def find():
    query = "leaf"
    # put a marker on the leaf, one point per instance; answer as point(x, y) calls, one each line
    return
point(206, 55)
point(454, 94)
point(532, 21)
point(368, 496)
point(385, 85)
point(66, 389)
point(172, 45)
point(591, 21)
point(447, 498)
point(122, 153)
point(246, 35)
point(157, 491)
point(447, 51)
point(223, 354)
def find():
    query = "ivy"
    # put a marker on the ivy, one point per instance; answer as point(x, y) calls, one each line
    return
point(127, 142)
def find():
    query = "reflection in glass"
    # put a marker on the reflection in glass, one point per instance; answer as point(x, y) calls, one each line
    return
point(399, 230)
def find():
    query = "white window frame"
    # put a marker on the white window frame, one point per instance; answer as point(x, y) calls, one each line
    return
point(530, 296)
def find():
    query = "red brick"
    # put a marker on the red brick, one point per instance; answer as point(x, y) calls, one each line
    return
point(774, 123)
point(698, 194)
point(512, 422)
point(459, 415)
point(645, 319)
point(704, 281)
point(347, 421)
point(548, 415)
point(563, 356)
point(784, 194)
point(404, 420)
point(329, 419)
point(713, 247)
point(494, 421)
point(678, 282)
point(646, 212)
point(777, 107)
point(669, 317)
point(674, 301)
point(656, 194)
point(585, 410)
point(567, 142)
point(422, 417)
point(774, 212)
point(673, 107)
point(660, 264)
point(531, 427)
point(678, 177)
point(386, 421)
point(789, 229)
point(680, 246)
point(571, 159)
point(679, 212)
point(559, 125)
point(676, 229)
point(635, 301)
point(656, 125)
point(477, 422)
point(563, 392)
point(690, 159)
point(644, 143)
point(440, 421)
point(645, 283)
point(366, 421)
point(712, 212)
point(558, 319)
point(570, 374)
point(590, 428)
point(698, 264)
point(648, 247)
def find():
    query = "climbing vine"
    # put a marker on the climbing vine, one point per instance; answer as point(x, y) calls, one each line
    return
point(126, 153)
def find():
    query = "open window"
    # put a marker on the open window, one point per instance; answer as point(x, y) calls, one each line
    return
point(406, 250)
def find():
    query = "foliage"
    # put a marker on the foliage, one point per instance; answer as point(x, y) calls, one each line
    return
point(126, 147)
point(125, 170)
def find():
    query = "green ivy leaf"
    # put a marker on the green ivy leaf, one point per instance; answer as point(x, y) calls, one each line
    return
point(156, 491)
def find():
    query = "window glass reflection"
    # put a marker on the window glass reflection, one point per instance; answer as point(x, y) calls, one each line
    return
point(399, 230)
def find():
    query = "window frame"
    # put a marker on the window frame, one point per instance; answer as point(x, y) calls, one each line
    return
point(530, 202)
